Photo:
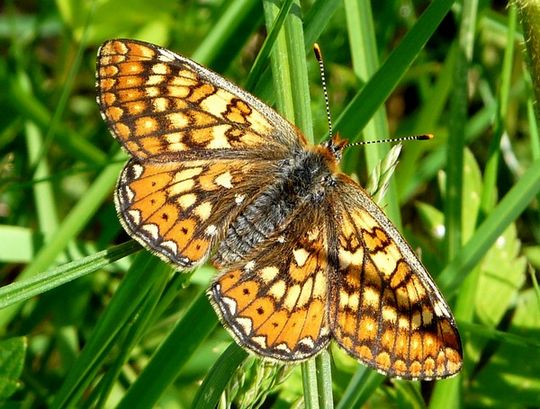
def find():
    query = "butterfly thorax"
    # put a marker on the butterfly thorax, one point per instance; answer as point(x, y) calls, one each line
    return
point(300, 183)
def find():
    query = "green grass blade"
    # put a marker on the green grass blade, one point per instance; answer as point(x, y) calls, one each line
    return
point(135, 330)
point(508, 209)
point(25, 289)
point(44, 200)
point(364, 104)
point(290, 73)
point(127, 299)
point(264, 53)
point(216, 380)
point(316, 20)
point(410, 178)
point(172, 354)
point(436, 160)
point(240, 16)
point(362, 385)
point(310, 384)
point(29, 107)
point(323, 365)
point(489, 193)
point(456, 139)
point(67, 85)
point(365, 59)
point(446, 393)
point(72, 224)
point(500, 336)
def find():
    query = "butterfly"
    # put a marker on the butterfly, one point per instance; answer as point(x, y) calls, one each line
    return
point(304, 255)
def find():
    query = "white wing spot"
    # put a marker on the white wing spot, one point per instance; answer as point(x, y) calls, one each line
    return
point(307, 342)
point(245, 324)
point(211, 230)
point(278, 290)
point(225, 180)
point(440, 309)
point(204, 210)
point(152, 230)
point(249, 266)
point(229, 304)
point(137, 170)
point(171, 245)
point(269, 273)
point(260, 341)
point(300, 256)
point(134, 216)
point(238, 198)
point(187, 200)
point(283, 347)
point(129, 193)
point(160, 69)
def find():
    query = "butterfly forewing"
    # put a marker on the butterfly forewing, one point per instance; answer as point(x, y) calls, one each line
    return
point(386, 310)
point(164, 107)
point(304, 254)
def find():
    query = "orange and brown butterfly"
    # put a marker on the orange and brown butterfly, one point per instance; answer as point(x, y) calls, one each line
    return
point(304, 254)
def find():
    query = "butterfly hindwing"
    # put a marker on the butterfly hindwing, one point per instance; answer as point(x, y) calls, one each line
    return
point(275, 302)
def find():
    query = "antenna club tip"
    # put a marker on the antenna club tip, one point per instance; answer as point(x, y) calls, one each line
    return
point(426, 137)
point(317, 51)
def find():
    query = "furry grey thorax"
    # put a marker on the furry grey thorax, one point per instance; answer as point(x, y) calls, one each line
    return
point(301, 181)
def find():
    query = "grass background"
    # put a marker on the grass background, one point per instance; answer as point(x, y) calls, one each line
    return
point(87, 320)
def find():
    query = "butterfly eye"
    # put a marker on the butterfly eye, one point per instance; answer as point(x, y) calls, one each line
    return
point(328, 180)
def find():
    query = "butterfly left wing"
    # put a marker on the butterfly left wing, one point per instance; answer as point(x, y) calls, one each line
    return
point(385, 309)
point(164, 107)
point(275, 302)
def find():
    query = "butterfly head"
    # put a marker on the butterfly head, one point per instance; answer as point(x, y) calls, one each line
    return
point(332, 149)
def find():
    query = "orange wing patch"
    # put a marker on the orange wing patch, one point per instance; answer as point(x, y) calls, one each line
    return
point(277, 306)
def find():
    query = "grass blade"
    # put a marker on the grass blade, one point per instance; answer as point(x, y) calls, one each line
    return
point(172, 354)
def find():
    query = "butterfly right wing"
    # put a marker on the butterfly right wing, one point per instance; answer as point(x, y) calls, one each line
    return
point(386, 310)
point(164, 107)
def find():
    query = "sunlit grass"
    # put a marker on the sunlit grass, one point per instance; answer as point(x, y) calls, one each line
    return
point(87, 321)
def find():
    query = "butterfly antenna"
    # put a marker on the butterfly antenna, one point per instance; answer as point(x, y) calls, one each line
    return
point(423, 137)
point(318, 56)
